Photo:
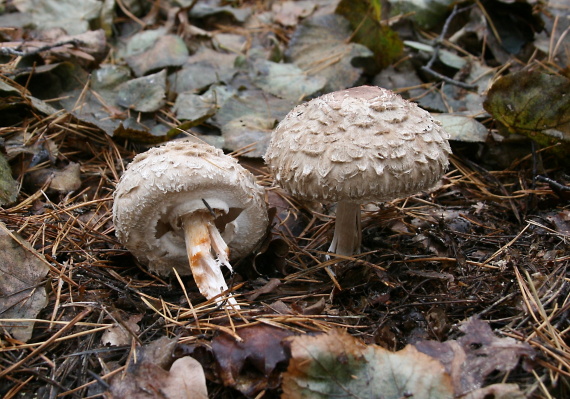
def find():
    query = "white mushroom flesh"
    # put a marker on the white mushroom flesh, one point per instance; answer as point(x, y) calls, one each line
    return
point(365, 144)
point(201, 238)
point(188, 200)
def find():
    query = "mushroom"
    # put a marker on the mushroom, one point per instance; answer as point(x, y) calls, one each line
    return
point(185, 204)
point(364, 144)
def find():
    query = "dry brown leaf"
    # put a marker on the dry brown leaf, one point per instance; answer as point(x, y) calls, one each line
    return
point(22, 294)
point(119, 334)
point(496, 391)
point(475, 355)
point(147, 378)
point(253, 364)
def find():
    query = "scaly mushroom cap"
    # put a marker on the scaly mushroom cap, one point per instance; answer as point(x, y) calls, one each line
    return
point(358, 145)
point(179, 178)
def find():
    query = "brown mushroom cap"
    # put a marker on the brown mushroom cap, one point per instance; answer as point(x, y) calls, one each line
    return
point(358, 145)
point(179, 178)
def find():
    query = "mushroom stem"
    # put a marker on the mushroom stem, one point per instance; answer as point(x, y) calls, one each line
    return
point(202, 236)
point(347, 230)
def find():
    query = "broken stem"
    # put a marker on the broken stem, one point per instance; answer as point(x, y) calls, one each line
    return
point(202, 236)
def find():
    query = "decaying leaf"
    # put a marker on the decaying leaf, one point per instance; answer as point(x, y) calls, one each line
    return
point(365, 18)
point(532, 103)
point(196, 108)
point(64, 180)
point(152, 376)
point(203, 9)
point(286, 80)
point(22, 294)
point(8, 186)
point(426, 13)
point(320, 47)
point(463, 128)
point(496, 391)
point(146, 94)
point(167, 51)
point(287, 13)
point(120, 333)
point(248, 117)
point(73, 16)
point(475, 355)
point(203, 69)
point(338, 365)
point(250, 132)
point(254, 363)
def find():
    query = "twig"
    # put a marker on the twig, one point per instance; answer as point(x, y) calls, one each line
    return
point(47, 343)
point(559, 189)
point(428, 67)
point(22, 53)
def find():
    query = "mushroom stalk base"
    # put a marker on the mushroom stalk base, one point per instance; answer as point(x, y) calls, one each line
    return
point(202, 236)
point(347, 230)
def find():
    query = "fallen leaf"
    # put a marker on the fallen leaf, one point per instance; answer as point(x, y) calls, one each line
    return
point(463, 128)
point(152, 375)
point(287, 13)
point(140, 42)
point(119, 334)
point(64, 180)
point(248, 118)
point(523, 103)
point(338, 365)
point(267, 288)
point(184, 380)
point(496, 391)
point(8, 186)
point(22, 295)
point(426, 13)
point(250, 132)
point(365, 18)
point(167, 51)
point(146, 94)
point(202, 10)
point(203, 69)
point(472, 357)
point(197, 108)
point(72, 15)
point(285, 80)
point(254, 363)
point(320, 47)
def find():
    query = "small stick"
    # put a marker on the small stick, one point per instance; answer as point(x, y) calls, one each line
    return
point(20, 53)
point(428, 67)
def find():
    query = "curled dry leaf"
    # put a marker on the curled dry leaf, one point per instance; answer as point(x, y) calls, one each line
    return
point(153, 375)
point(338, 365)
point(475, 355)
point(22, 295)
point(254, 363)
point(64, 180)
point(147, 380)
